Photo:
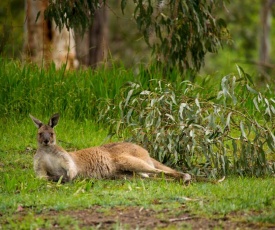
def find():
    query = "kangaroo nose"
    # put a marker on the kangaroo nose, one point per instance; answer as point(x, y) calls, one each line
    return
point(46, 142)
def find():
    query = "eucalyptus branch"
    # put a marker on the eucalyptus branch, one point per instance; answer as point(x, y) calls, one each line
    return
point(189, 129)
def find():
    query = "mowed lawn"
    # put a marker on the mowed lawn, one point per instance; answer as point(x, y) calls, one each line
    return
point(161, 203)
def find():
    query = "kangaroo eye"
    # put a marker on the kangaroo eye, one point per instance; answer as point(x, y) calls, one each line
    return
point(51, 134)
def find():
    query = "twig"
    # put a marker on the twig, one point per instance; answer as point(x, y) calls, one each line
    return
point(180, 219)
point(267, 65)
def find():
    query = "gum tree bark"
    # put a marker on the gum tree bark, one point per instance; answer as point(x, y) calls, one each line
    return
point(43, 43)
point(265, 25)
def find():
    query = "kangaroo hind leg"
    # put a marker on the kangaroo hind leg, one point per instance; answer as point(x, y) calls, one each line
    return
point(134, 164)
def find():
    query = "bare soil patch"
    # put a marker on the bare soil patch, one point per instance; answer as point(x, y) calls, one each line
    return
point(141, 218)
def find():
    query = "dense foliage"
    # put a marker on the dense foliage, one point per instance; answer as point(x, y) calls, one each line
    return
point(180, 33)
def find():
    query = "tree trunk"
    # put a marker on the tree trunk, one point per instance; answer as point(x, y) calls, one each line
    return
point(265, 25)
point(43, 43)
point(92, 47)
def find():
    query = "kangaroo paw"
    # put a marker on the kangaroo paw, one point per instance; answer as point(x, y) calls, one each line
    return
point(187, 178)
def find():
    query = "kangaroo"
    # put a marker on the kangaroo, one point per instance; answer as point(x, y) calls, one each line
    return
point(52, 162)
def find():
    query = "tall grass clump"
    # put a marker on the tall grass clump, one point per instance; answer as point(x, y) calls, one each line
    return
point(208, 131)
point(80, 94)
point(30, 89)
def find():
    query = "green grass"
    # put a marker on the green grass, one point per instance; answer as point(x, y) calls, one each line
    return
point(235, 196)
point(78, 94)
point(83, 94)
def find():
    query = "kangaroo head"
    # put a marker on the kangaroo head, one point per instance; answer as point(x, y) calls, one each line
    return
point(46, 135)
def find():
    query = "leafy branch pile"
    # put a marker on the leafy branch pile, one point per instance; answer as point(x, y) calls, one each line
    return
point(209, 133)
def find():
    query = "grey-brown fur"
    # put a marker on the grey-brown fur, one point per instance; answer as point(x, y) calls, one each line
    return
point(106, 161)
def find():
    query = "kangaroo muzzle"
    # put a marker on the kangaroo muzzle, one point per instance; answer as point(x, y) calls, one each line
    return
point(46, 139)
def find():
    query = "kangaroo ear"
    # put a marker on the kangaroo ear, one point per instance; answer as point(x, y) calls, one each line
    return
point(37, 122)
point(53, 120)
